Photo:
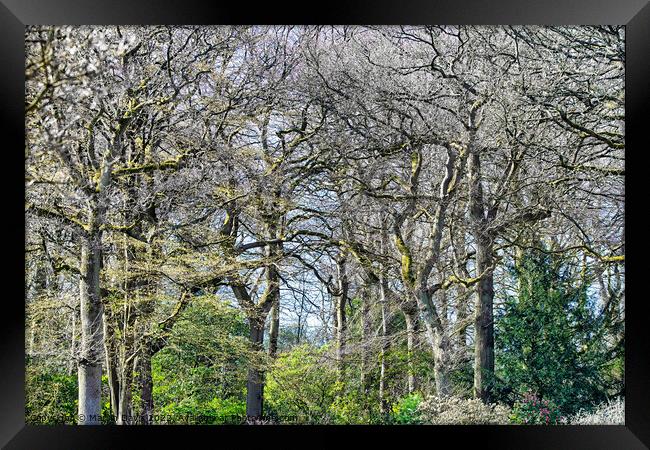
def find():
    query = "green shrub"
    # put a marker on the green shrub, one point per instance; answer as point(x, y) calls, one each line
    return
point(406, 411)
point(200, 376)
point(301, 386)
point(51, 397)
point(351, 408)
point(214, 412)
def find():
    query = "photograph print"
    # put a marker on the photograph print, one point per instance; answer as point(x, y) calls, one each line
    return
point(324, 225)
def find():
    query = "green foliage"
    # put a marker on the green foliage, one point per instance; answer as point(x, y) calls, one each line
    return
point(214, 412)
point(549, 339)
point(200, 376)
point(462, 379)
point(205, 358)
point(405, 411)
point(350, 408)
point(301, 386)
point(51, 397)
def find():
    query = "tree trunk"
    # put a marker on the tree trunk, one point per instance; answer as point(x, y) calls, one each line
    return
point(484, 326)
point(125, 416)
point(113, 385)
point(255, 384)
point(299, 330)
point(272, 252)
point(90, 358)
point(463, 297)
point(438, 341)
point(146, 387)
point(125, 406)
point(441, 367)
point(439, 346)
point(341, 299)
point(275, 328)
point(365, 333)
point(383, 402)
point(73, 343)
point(111, 366)
point(410, 317)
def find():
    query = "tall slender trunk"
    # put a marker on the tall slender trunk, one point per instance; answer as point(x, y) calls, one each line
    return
point(125, 395)
point(146, 386)
point(73, 342)
point(341, 319)
point(149, 347)
point(463, 297)
point(36, 285)
point(111, 365)
point(365, 334)
point(127, 339)
point(256, 312)
point(90, 358)
point(255, 384)
point(410, 317)
point(113, 385)
point(383, 401)
point(92, 337)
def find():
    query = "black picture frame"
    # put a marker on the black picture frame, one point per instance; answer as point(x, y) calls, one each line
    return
point(16, 14)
